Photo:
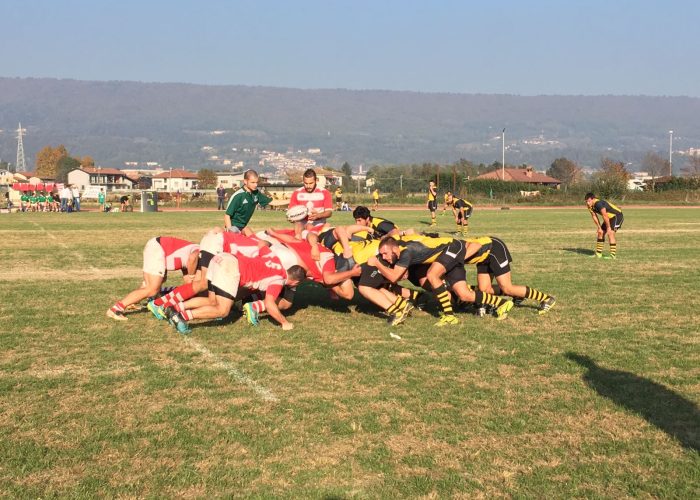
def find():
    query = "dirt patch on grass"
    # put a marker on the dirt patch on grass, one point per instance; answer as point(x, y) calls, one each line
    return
point(26, 273)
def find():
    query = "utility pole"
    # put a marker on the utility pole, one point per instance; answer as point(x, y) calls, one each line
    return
point(503, 155)
point(670, 153)
point(401, 182)
point(454, 179)
point(437, 179)
point(20, 164)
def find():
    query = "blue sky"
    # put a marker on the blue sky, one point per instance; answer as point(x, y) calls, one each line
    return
point(531, 47)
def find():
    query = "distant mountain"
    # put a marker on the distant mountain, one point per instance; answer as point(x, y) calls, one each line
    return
point(116, 122)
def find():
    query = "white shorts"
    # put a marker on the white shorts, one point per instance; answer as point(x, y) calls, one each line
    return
point(212, 242)
point(287, 256)
point(154, 258)
point(223, 275)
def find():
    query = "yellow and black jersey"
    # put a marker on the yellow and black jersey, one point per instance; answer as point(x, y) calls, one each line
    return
point(381, 227)
point(611, 209)
point(480, 255)
point(361, 250)
point(449, 199)
point(462, 203)
point(432, 194)
point(420, 251)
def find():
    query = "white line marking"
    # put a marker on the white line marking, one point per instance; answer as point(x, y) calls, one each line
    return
point(63, 245)
point(264, 393)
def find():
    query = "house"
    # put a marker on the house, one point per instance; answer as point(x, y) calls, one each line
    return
point(328, 179)
point(525, 175)
point(229, 180)
point(175, 180)
point(109, 178)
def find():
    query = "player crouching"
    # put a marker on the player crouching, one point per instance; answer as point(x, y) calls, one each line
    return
point(229, 278)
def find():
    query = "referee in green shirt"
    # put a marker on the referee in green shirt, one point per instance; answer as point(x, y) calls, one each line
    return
point(242, 204)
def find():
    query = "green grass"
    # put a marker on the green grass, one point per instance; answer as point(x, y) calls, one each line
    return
point(599, 398)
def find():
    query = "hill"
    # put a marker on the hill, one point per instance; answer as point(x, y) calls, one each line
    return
point(171, 123)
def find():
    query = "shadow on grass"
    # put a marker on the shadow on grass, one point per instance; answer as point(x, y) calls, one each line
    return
point(658, 405)
point(580, 251)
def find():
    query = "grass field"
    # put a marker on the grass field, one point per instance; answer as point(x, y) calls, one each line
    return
point(599, 398)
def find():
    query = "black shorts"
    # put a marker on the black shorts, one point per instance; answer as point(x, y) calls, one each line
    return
point(288, 293)
point(498, 261)
point(327, 239)
point(218, 291)
point(204, 259)
point(616, 223)
point(432, 205)
point(371, 277)
point(452, 277)
point(467, 213)
point(342, 264)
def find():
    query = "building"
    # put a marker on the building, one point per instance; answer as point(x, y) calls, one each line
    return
point(175, 180)
point(109, 178)
point(525, 175)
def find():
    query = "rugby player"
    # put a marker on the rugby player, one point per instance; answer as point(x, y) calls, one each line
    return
point(379, 227)
point(492, 259)
point(449, 201)
point(160, 255)
point(316, 200)
point(432, 201)
point(232, 277)
point(462, 211)
point(611, 221)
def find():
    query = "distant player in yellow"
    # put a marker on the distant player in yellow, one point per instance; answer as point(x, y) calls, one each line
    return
point(338, 198)
point(462, 210)
point(375, 199)
point(611, 221)
point(432, 202)
point(449, 201)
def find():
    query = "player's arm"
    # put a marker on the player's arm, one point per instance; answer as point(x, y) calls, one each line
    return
point(321, 215)
point(230, 210)
point(392, 274)
point(274, 311)
point(330, 279)
point(263, 200)
point(190, 270)
point(472, 250)
point(604, 215)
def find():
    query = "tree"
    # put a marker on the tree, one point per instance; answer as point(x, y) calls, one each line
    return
point(65, 165)
point(692, 167)
point(206, 179)
point(87, 161)
point(47, 161)
point(566, 171)
point(347, 175)
point(612, 178)
point(655, 166)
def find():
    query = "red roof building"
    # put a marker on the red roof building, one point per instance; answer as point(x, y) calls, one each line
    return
point(525, 175)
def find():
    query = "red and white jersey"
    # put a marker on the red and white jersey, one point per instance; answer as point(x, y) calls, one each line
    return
point(319, 200)
point(177, 252)
point(238, 244)
point(262, 273)
point(315, 268)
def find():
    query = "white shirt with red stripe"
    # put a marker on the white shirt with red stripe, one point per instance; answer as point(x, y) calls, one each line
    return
point(177, 252)
point(262, 273)
point(315, 268)
point(317, 201)
point(238, 244)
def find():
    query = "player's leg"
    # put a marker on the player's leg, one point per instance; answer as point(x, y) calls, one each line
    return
point(151, 286)
point(435, 274)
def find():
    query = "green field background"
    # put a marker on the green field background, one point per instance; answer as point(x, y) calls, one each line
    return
point(598, 398)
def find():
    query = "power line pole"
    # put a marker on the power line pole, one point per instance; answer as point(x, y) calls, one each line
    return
point(20, 164)
point(503, 155)
point(454, 179)
point(670, 153)
point(401, 182)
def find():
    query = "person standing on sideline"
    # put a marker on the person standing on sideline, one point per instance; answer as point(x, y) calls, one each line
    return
point(612, 220)
point(242, 204)
point(338, 198)
point(432, 202)
point(316, 200)
point(220, 197)
point(101, 199)
point(65, 196)
point(375, 199)
point(76, 198)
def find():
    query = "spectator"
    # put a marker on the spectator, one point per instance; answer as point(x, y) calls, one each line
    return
point(221, 197)
point(65, 196)
point(101, 199)
point(76, 198)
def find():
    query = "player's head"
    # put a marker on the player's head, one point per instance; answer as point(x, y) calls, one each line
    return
point(250, 180)
point(295, 275)
point(362, 216)
point(389, 249)
point(432, 183)
point(449, 193)
point(309, 180)
point(589, 199)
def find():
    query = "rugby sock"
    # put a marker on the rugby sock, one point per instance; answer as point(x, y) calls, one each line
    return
point(531, 293)
point(179, 306)
point(613, 250)
point(258, 306)
point(486, 299)
point(398, 304)
point(118, 307)
point(444, 297)
point(414, 295)
point(179, 294)
point(599, 246)
point(187, 315)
